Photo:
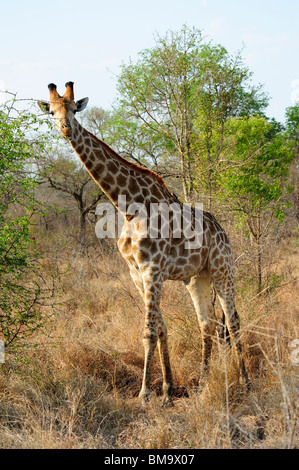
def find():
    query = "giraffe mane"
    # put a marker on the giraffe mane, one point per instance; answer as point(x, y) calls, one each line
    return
point(134, 166)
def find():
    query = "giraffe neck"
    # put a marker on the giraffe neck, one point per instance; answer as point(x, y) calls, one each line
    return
point(115, 175)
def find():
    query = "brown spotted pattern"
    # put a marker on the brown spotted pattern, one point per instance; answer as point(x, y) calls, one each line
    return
point(152, 261)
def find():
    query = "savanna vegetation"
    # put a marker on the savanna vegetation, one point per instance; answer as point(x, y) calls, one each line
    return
point(71, 318)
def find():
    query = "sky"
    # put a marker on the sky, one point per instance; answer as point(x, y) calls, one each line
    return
point(86, 41)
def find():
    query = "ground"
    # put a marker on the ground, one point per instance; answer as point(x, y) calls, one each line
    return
point(75, 383)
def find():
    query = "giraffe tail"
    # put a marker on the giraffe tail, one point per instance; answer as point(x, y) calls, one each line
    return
point(223, 331)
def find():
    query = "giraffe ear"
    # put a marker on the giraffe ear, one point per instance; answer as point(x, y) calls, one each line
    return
point(81, 104)
point(44, 106)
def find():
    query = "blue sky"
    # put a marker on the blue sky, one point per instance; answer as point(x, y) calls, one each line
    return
point(86, 41)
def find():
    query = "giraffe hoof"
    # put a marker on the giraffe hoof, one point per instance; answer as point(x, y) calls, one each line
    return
point(167, 402)
point(248, 384)
point(245, 381)
point(144, 398)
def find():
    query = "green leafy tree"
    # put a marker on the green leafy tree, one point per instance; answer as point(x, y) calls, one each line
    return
point(292, 129)
point(252, 182)
point(179, 89)
point(160, 90)
point(22, 291)
point(226, 93)
point(292, 123)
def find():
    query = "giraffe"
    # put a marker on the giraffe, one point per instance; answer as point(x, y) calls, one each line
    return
point(151, 261)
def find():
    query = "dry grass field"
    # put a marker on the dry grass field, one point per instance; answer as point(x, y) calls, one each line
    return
point(75, 383)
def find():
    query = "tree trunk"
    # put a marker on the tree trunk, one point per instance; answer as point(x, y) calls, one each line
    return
point(259, 253)
point(82, 233)
point(184, 179)
point(259, 264)
point(255, 232)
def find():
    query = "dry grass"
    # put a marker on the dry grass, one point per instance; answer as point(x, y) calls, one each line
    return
point(78, 386)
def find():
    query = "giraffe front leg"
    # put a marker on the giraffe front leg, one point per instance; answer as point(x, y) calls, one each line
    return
point(155, 332)
point(165, 365)
point(152, 295)
point(150, 335)
point(149, 342)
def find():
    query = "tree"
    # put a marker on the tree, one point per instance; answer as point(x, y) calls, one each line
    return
point(126, 135)
point(292, 129)
point(178, 81)
point(252, 181)
point(66, 175)
point(226, 93)
point(23, 290)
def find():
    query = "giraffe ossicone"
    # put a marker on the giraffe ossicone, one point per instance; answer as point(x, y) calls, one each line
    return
point(152, 260)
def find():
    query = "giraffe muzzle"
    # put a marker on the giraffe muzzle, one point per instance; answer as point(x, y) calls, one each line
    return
point(66, 130)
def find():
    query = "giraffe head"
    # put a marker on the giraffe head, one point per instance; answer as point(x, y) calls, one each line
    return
point(63, 108)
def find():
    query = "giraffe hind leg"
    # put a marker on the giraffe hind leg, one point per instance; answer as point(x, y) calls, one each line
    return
point(223, 331)
point(165, 364)
point(199, 289)
point(232, 320)
point(221, 328)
